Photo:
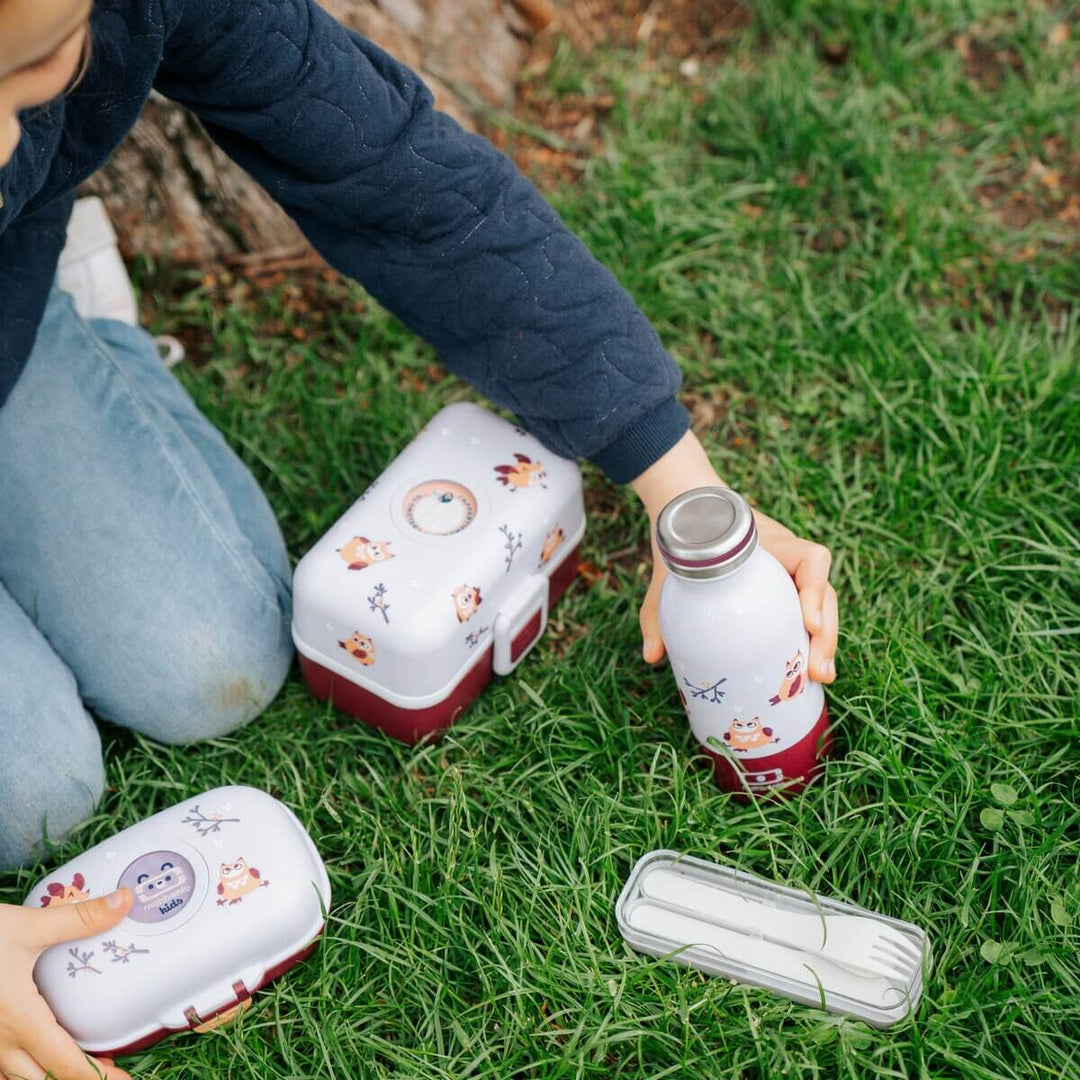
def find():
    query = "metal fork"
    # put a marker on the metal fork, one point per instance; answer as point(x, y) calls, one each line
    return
point(854, 942)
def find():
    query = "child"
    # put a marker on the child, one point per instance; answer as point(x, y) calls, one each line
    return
point(142, 574)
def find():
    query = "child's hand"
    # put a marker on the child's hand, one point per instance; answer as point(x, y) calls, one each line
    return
point(687, 466)
point(32, 1043)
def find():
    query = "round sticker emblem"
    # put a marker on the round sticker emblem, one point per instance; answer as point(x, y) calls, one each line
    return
point(162, 882)
point(439, 507)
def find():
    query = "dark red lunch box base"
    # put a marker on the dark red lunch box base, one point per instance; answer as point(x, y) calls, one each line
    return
point(162, 1033)
point(786, 773)
point(413, 725)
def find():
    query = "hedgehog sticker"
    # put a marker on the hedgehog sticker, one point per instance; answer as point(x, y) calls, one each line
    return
point(466, 601)
point(526, 473)
point(360, 648)
point(360, 552)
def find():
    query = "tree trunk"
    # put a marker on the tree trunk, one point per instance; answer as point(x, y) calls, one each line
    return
point(171, 193)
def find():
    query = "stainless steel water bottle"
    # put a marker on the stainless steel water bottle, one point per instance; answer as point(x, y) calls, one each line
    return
point(733, 627)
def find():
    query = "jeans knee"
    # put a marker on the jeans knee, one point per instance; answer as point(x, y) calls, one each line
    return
point(214, 692)
point(48, 798)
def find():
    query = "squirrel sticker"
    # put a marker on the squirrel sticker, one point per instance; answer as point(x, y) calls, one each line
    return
point(525, 474)
point(360, 552)
point(794, 681)
point(360, 648)
point(552, 543)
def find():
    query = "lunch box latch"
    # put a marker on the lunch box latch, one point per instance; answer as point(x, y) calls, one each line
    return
point(226, 1014)
point(521, 623)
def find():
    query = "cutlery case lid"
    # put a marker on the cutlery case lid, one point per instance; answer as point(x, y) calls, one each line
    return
point(675, 932)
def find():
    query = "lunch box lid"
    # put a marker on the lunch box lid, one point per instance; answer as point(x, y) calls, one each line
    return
point(228, 888)
point(747, 958)
point(448, 552)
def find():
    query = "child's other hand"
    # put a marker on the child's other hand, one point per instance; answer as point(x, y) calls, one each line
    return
point(687, 466)
point(32, 1043)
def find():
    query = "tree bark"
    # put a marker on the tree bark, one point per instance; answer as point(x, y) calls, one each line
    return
point(172, 194)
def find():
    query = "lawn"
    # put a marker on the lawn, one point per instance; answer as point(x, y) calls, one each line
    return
point(857, 227)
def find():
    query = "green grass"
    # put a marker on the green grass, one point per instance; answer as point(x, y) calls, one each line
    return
point(880, 362)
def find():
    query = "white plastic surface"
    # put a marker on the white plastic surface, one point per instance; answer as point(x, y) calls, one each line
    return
point(186, 941)
point(739, 652)
point(473, 505)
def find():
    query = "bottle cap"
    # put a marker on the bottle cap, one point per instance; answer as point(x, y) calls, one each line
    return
point(708, 532)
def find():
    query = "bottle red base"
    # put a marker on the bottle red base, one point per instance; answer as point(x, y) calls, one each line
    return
point(785, 773)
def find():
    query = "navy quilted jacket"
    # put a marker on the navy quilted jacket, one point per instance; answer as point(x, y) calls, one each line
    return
point(435, 222)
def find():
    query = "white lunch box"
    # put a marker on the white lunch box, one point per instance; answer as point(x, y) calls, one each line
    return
point(229, 893)
point(439, 575)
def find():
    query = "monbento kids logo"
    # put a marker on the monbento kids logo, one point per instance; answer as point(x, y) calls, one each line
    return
point(162, 882)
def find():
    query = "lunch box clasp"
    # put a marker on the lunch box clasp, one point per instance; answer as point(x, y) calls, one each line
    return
point(521, 624)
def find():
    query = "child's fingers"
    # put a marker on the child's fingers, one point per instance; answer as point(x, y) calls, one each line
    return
point(16, 1064)
point(43, 927)
point(652, 647)
point(823, 643)
point(61, 1057)
point(811, 576)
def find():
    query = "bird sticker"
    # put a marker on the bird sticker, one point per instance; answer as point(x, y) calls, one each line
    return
point(552, 543)
point(56, 894)
point(360, 648)
point(236, 880)
point(467, 601)
point(360, 552)
point(525, 474)
point(794, 680)
point(744, 735)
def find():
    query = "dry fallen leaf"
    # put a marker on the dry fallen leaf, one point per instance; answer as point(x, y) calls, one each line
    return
point(1051, 179)
point(751, 210)
point(1070, 215)
point(1058, 35)
point(962, 45)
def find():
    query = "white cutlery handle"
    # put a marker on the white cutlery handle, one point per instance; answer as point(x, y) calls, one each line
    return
point(732, 912)
point(670, 926)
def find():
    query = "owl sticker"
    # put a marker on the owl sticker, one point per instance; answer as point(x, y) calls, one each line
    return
point(236, 879)
point(56, 894)
point(794, 680)
point(467, 601)
point(525, 474)
point(746, 735)
point(360, 648)
point(552, 543)
point(360, 552)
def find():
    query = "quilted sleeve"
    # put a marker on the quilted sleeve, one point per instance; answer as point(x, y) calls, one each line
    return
point(435, 222)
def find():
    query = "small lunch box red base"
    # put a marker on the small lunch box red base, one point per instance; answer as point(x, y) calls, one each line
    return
point(440, 575)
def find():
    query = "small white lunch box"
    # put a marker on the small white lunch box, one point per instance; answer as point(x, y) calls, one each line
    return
point(229, 893)
point(439, 575)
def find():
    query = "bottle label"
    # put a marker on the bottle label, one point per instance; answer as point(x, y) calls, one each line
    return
point(746, 713)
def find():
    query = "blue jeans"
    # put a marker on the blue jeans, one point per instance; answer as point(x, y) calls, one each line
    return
point(143, 577)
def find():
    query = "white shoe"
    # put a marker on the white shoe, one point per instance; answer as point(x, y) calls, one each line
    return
point(93, 274)
point(91, 270)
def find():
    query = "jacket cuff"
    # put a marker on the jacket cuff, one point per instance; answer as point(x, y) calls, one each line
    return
point(644, 442)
